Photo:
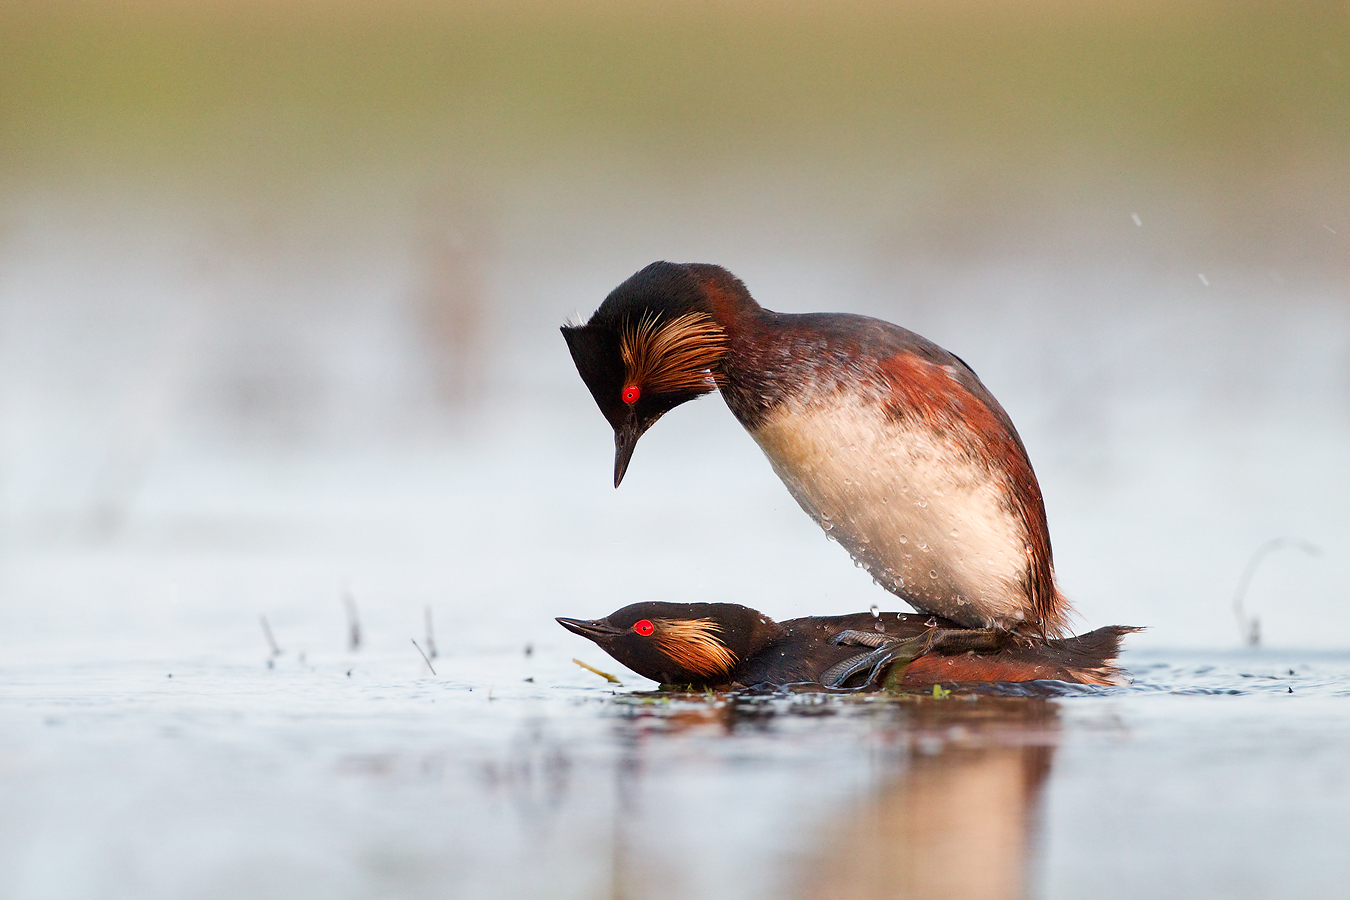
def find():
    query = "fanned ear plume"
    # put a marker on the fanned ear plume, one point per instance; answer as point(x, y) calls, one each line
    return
point(693, 643)
point(674, 357)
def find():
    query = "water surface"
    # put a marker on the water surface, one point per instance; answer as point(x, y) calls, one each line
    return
point(341, 775)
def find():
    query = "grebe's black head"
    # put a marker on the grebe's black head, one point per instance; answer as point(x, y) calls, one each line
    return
point(679, 643)
point(649, 347)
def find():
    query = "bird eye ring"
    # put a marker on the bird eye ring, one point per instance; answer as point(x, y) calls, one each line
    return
point(644, 627)
point(631, 394)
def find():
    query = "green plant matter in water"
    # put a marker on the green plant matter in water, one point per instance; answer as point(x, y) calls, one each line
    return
point(605, 675)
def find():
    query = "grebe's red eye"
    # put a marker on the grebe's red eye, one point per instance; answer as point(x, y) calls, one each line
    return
point(644, 627)
point(631, 394)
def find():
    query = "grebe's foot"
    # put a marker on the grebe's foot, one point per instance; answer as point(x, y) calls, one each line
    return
point(950, 641)
point(898, 653)
point(891, 652)
point(852, 638)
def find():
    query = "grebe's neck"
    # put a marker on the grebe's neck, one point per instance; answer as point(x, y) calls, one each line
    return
point(726, 299)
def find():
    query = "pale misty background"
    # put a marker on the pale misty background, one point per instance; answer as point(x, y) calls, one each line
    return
point(280, 286)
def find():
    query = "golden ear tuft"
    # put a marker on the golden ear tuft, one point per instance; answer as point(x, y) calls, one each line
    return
point(673, 357)
point(693, 643)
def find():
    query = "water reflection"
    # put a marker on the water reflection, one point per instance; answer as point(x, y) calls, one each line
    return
point(846, 797)
point(958, 816)
point(533, 774)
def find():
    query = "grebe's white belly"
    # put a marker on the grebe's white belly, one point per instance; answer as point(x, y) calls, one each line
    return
point(912, 507)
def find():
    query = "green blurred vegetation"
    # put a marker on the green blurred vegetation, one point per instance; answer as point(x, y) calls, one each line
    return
point(249, 89)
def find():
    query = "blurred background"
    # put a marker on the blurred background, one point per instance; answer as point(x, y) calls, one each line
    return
point(280, 284)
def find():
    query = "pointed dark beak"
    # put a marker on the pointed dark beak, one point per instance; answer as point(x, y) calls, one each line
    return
point(625, 440)
point(595, 629)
